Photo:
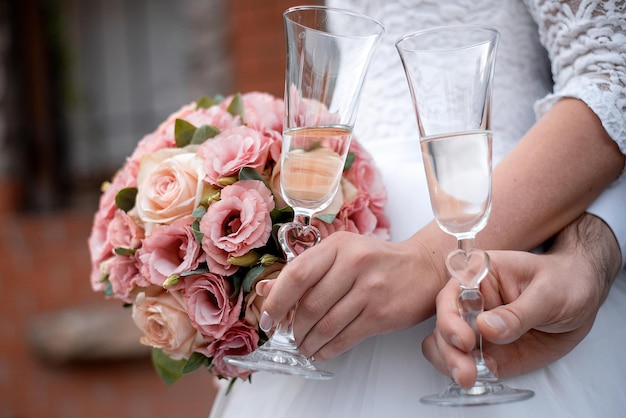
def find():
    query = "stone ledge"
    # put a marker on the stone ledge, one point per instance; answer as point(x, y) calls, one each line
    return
point(81, 334)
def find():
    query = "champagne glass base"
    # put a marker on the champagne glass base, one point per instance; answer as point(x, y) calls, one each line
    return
point(279, 361)
point(482, 393)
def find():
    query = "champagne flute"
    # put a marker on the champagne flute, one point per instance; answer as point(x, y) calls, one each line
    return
point(328, 52)
point(450, 75)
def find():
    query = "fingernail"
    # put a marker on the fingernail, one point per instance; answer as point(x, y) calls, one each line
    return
point(495, 322)
point(455, 373)
point(260, 286)
point(266, 322)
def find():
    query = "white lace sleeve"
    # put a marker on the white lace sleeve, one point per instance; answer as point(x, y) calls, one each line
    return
point(586, 42)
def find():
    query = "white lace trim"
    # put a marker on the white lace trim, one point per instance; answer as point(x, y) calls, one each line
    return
point(586, 42)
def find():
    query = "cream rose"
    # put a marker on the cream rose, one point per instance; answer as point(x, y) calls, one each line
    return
point(165, 324)
point(169, 185)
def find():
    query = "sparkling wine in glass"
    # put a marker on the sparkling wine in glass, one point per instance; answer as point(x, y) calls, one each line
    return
point(450, 76)
point(328, 52)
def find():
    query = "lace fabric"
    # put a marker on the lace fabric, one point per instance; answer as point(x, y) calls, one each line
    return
point(586, 43)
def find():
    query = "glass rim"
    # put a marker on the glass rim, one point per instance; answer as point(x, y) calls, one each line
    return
point(336, 10)
point(495, 35)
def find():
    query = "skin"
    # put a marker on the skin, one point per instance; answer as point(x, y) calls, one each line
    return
point(540, 306)
point(346, 283)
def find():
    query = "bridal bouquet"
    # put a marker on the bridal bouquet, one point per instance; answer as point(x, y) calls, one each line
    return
point(186, 228)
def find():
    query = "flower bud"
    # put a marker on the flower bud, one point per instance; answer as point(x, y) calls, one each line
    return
point(268, 260)
point(245, 260)
point(172, 280)
point(227, 181)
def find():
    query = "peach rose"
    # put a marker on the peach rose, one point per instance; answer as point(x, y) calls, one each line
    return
point(165, 324)
point(169, 185)
point(253, 302)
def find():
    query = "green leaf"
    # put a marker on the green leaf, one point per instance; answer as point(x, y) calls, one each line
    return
point(281, 215)
point(205, 103)
point(203, 133)
point(125, 198)
point(251, 277)
point(349, 161)
point(124, 251)
point(247, 173)
point(183, 132)
point(235, 107)
point(194, 363)
point(168, 370)
point(199, 270)
point(195, 228)
point(108, 289)
point(198, 212)
point(327, 217)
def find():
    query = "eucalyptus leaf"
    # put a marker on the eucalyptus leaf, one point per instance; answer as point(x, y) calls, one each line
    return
point(124, 251)
point(205, 103)
point(168, 370)
point(251, 277)
point(235, 107)
point(194, 363)
point(195, 228)
point(327, 217)
point(125, 198)
point(198, 212)
point(108, 288)
point(203, 133)
point(199, 270)
point(183, 132)
point(349, 161)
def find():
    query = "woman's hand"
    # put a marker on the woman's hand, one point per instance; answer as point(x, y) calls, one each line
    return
point(351, 287)
point(541, 306)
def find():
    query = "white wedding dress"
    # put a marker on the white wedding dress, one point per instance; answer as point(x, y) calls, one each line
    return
point(386, 375)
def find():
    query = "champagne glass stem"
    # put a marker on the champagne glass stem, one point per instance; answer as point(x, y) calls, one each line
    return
point(288, 236)
point(466, 244)
point(471, 304)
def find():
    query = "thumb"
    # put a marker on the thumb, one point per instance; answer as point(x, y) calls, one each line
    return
point(506, 323)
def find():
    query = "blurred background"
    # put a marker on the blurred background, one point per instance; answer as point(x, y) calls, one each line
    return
point(80, 83)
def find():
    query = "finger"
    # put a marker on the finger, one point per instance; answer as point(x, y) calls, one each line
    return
point(452, 328)
point(349, 336)
point(297, 278)
point(449, 360)
point(327, 308)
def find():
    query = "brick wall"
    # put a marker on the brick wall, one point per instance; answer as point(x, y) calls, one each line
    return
point(44, 268)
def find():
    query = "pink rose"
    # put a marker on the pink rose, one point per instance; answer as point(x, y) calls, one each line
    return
point(125, 277)
point(237, 223)
point(366, 177)
point(240, 339)
point(123, 231)
point(214, 116)
point(208, 302)
point(169, 249)
point(100, 246)
point(150, 143)
point(226, 153)
point(169, 185)
point(263, 112)
point(166, 128)
point(166, 325)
